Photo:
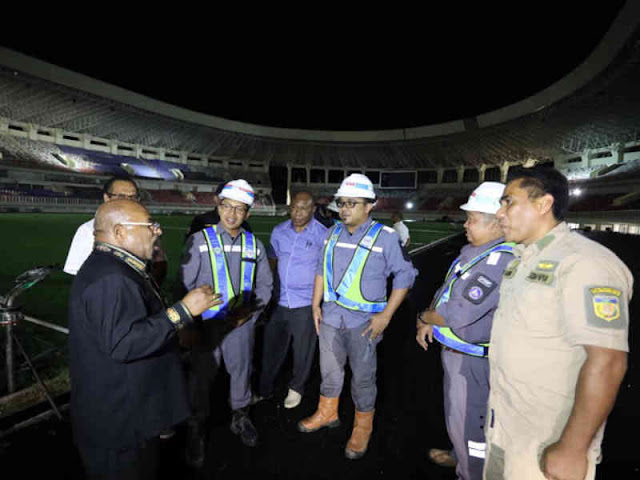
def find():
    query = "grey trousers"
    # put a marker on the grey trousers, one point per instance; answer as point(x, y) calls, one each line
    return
point(288, 326)
point(337, 345)
point(237, 351)
point(466, 392)
point(204, 361)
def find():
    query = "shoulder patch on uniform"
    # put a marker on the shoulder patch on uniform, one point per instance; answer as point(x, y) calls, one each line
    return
point(388, 229)
point(478, 288)
point(606, 307)
point(203, 249)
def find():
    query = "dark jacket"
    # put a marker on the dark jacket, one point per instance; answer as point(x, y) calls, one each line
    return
point(127, 382)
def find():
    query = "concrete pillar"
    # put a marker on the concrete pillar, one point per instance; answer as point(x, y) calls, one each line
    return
point(504, 171)
point(460, 170)
point(617, 151)
point(440, 175)
point(481, 171)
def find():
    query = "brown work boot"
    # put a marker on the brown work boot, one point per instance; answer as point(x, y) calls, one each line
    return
point(326, 416)
point(359, 441)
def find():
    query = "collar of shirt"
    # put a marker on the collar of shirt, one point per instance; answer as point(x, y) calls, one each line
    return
point(127, 257)
point(526, 251)
point(307, 228)
point(358, 232)
point(471, 251)
point(226, 235)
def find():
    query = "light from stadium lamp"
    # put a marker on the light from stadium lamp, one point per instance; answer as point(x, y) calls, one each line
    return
point(409, 205)
point(576, 192)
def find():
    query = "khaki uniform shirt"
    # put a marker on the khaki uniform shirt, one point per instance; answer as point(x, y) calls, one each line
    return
point(559, 294)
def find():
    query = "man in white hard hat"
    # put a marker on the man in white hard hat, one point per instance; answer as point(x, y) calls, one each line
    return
point(351, 309)
point(234, 261)
point(460, 318)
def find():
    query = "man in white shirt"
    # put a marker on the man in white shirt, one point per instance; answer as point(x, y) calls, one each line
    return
point(82, 243)
point(401, 228)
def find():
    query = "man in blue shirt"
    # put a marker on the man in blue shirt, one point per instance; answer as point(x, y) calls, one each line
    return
point(351, 277)
point(295, 247)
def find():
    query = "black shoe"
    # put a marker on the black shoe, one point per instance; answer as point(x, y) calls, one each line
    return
point(196, 446)
point(241, 425)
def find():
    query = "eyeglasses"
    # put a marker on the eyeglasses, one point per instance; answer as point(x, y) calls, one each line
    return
point(239, 209)
point(154, 226)
point(123, 196)
point(348, 204)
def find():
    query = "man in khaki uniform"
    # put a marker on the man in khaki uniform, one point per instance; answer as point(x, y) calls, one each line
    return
point(559, 341)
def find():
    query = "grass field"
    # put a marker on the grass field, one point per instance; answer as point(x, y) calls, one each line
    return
point(33, 239)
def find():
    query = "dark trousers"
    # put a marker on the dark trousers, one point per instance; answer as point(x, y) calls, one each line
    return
point(136, 463)
point(288, 326)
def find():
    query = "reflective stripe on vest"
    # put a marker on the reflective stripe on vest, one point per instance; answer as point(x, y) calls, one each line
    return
point(348, 294)
point(220, 270)
point(445, 335)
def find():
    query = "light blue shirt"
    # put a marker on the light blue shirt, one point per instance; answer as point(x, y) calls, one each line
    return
point(297, 254)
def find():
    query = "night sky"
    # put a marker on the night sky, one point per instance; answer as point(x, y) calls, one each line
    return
point(371, 70)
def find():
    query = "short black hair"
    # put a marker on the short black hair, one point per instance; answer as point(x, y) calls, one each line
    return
point(398, 214)
point(107, 186)
point(541, 180)
point(306, 192)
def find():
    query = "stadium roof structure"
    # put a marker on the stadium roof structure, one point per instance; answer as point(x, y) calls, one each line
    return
point(595, 106)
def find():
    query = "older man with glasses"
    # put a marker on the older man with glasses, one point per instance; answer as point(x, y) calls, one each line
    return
point(360, 254)
point(235, 262)
point(127, 379)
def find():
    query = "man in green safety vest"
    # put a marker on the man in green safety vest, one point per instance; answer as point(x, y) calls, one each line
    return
point(460, 319)
point(351, 310)
point(234, 261)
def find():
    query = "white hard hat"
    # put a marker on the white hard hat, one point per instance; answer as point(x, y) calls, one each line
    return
point(239, 190)
point(333, 207)
point(356, 185)
point(485, 198)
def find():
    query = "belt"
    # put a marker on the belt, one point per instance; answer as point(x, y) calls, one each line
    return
point(452, 350)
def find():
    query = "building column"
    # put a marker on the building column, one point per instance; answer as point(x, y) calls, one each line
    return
point(481, 171)
point(617, 151)
point(440, 173)
point(504, 171)
point(460, 171)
